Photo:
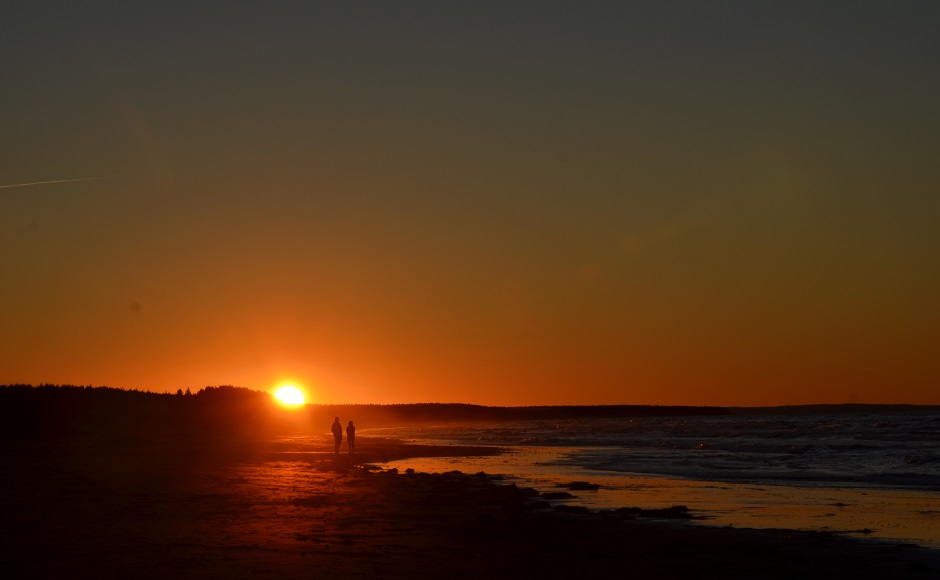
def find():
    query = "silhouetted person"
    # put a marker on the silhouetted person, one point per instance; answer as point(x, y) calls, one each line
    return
point(337, 429)
point(351, 437)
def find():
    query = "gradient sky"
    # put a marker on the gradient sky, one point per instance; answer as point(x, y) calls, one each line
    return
point(504, 203)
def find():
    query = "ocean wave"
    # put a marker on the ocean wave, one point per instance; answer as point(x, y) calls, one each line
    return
point(894, 450)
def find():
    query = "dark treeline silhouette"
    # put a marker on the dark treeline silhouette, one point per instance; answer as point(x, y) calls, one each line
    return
point(834, 409)
point(50, 410)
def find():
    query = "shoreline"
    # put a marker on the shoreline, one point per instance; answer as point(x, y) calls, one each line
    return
point(86, 508)
point(903, 515)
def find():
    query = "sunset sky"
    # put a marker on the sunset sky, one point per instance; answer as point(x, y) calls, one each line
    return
point(503, 203)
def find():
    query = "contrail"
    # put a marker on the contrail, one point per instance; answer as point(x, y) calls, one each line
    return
point(53, 181)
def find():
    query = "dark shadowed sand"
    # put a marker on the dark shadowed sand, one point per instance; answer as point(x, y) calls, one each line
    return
point(85, 507)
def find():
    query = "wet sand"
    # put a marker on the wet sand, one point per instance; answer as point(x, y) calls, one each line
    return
point(86, 507)
point(895, 515)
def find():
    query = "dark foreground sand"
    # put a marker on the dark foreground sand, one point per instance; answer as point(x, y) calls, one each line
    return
point(96, 508)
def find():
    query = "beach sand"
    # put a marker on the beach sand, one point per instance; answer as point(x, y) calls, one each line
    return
point(86, 507)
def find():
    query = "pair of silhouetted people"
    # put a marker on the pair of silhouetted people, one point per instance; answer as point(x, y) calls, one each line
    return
point(337, 429)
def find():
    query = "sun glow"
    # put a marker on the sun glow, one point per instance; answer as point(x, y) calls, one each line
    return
point(290, 396)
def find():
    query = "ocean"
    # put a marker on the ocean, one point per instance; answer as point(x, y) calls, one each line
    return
point(869, 474)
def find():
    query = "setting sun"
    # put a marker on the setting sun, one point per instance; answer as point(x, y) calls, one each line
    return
point(290, 396)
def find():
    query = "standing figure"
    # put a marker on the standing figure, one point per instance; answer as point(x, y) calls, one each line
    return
point(351, 437)
point(337, 429)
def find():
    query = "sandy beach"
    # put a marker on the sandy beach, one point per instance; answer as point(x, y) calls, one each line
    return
point(685, 252)
point(84, 507)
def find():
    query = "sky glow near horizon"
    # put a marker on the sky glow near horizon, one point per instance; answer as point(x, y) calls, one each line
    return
point(502, 204)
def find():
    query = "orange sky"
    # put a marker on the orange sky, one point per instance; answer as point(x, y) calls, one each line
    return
point(637, 205)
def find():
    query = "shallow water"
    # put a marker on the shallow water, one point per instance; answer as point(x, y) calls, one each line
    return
point(875, 476)
point(899, 450)
point(912, 516)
